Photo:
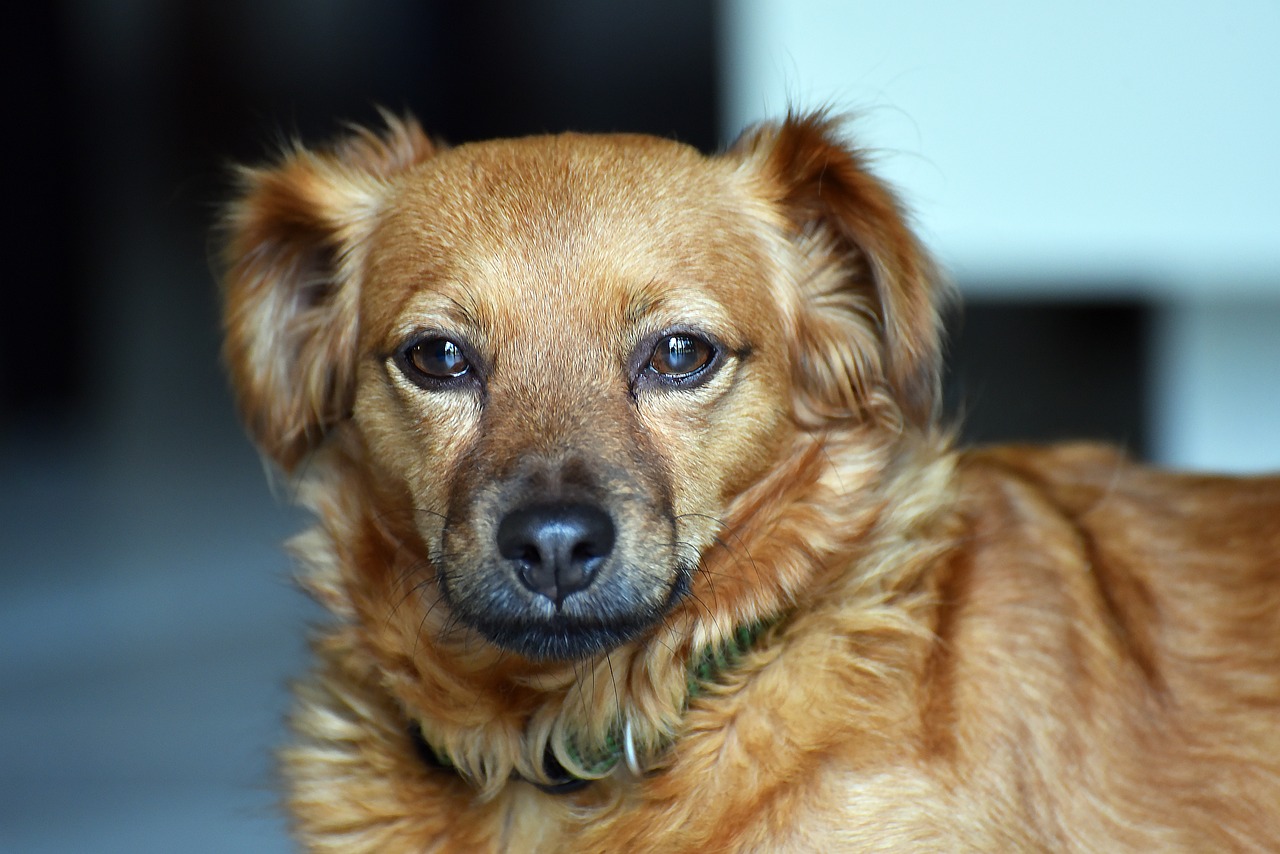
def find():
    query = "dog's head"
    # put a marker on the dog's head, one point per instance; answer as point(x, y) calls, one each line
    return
point(561, 362)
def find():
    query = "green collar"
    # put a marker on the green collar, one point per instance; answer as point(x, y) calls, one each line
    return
point(704, 671)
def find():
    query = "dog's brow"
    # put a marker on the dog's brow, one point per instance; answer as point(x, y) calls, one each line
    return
point(639, 308)
point(677, 307)
point(435, 309)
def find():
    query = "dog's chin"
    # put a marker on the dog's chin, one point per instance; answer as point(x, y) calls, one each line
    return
point(560, 640)
point(541, 632)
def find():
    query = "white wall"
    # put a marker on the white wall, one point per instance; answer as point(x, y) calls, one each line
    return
point(1092, 148)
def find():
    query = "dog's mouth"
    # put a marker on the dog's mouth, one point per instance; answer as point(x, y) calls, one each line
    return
point(572, 630)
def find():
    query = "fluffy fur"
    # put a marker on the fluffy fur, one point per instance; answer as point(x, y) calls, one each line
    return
point(1004, 649)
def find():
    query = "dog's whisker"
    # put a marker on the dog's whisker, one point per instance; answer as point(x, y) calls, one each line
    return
point(613, 679)
point(735, 535)
point(447, 520)
point(422, 625)
point(410, 582)
point(670, 629)
point(698, 564)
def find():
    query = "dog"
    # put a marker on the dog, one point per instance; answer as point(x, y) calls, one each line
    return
point(642, 531)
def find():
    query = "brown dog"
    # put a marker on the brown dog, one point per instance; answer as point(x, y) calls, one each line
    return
point(641, 535)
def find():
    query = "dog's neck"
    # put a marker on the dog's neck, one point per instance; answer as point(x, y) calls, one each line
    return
point(619, 750)
point(495, 716)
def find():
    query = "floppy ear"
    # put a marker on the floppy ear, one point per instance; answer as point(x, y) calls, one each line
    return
point(296, 235)
point(868, 333)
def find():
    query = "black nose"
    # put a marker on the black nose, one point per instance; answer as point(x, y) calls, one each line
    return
point(556, 548)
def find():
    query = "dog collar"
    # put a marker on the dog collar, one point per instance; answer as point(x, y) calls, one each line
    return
point(619, 746)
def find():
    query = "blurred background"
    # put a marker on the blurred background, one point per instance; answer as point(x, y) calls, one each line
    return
point(1100, 180)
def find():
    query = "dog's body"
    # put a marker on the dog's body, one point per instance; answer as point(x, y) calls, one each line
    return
point(641, 534)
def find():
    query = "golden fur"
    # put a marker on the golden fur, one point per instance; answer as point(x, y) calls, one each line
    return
point(1006, 649)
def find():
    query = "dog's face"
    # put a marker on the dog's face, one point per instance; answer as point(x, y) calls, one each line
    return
point(573, 363)
point(562, 359)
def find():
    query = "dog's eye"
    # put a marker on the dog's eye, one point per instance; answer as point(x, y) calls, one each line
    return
point(435, 359)
point(680, 356)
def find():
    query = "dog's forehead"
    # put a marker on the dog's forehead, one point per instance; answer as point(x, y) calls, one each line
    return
point(600, 226)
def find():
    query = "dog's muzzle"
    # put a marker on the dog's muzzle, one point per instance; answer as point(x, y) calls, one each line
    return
point(561, 558)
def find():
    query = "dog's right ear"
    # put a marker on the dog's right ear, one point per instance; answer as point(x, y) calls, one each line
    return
point(296, 238)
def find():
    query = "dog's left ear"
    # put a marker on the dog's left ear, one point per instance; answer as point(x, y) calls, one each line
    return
point(868, 331)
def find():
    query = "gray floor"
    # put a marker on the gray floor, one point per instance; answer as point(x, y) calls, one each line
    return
point(149, 630)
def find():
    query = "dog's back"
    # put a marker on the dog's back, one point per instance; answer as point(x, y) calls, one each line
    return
point(1111, 644)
